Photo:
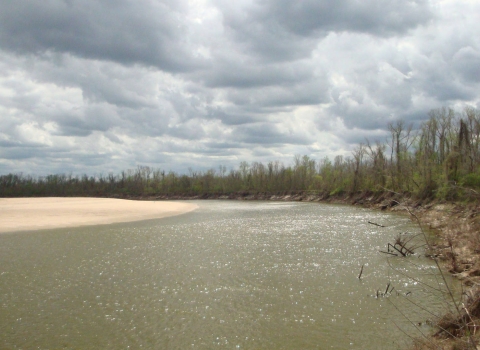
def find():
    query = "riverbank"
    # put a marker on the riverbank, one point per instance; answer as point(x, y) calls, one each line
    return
point(22, 214)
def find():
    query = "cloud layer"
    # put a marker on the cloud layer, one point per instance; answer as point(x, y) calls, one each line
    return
point(100, 86)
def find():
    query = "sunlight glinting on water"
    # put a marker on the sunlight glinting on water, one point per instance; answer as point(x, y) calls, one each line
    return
point(238, 275)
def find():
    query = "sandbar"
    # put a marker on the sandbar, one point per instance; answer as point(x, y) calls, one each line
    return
point(26, 214)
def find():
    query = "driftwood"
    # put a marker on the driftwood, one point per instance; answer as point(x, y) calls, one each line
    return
point(373, 223)
point(400, 246)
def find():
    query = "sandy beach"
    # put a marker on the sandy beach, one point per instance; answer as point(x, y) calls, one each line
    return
point(23, 214)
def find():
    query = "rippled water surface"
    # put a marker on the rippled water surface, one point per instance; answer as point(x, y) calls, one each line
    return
point(234, 275)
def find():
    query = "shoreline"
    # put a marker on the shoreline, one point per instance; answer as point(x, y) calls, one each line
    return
point(29, 214)
point(456, 225)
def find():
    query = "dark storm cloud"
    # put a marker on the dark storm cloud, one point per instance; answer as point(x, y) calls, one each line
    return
point(356, 136)
point(191, 130)
point(268, 134)
point(93, 118)
point(22, 153)
point(268, 41)
point(312, 90)
point(466, 63)
point(230, 117)
point(8, 143)
point(148, 121)
point(222, 145)
point(99, 81)
point(288, 30)
point(446, 79)
point(129, 32)
point(74, 127)
point(377, 17)
point(250, 74)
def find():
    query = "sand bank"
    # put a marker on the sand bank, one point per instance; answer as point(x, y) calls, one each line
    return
point(22, 214)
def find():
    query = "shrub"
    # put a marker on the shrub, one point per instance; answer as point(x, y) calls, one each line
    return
point(471, 180)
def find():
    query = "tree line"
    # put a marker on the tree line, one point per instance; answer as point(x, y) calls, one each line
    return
point(440, 159)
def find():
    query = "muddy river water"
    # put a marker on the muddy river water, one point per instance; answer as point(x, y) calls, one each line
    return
point(230, 275)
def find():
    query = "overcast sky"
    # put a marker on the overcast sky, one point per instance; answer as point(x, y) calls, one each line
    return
point(99, 86)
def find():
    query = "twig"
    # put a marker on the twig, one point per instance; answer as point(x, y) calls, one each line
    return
point(373, 223)
point(422, 308)
point(417, 280)
point(409, 320)
point(469, 316)
point(406, 249)
point(398, 250)
point(361, 271)
point(449, 291)
point(386, 189)
point(381, 251)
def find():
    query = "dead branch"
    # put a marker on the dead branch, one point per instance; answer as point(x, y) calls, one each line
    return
point(381, 251)
point(373, 223)
point(361, 271)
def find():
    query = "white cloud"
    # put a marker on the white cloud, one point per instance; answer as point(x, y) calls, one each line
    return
point(89, 88)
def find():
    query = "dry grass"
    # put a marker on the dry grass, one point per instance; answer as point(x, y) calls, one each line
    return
point(457, 332)
point(459, 248)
